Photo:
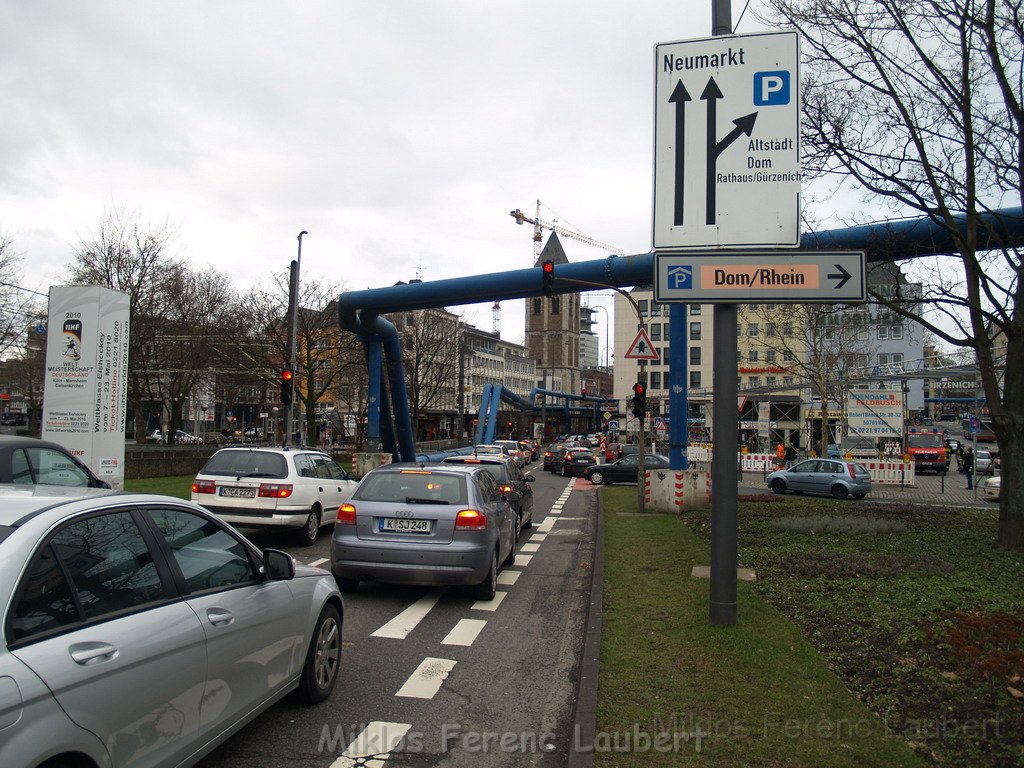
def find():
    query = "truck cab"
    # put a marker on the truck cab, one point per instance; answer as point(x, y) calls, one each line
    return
point(927, 449)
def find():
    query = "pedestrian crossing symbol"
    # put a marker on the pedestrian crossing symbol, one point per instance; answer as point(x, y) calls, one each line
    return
point(641, 348)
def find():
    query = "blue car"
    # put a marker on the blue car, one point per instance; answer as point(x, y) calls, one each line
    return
point(826, 476)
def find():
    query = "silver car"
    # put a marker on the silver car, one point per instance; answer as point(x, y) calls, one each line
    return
point(436, 525)
point(139, 630)
point(828, 476)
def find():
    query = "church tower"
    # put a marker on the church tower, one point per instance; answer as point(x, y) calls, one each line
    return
point(553, 329)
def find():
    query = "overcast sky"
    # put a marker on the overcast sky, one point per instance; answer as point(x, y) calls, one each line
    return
point(399, 134)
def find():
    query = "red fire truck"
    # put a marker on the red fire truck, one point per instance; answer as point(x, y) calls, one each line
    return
point(927, 449)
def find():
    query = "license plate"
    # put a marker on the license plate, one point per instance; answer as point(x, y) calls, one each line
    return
point(400, 525)
point(239, 493)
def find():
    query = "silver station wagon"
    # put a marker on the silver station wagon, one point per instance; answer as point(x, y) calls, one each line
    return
point(140, 630)
point(425, 525)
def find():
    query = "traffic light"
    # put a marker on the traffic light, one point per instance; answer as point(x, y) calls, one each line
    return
point(639, 400)
point(548, 272)
point(287, 383)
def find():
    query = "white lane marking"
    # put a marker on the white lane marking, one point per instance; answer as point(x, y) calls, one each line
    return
point(426, 681)
point(376, 741)
point(539, 536)
point(522, 561)
point(321, 561)
point(547, 524)
point(529, 547)
point(489, 605)
point(405, 622)
point(508, 578)
point(555, 512)
point(465, 632)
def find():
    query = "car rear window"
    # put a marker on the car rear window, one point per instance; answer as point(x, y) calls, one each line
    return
point(246, 464)
point(412, 487)
point(496, 468)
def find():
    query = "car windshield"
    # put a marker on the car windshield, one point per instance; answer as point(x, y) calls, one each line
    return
point(412, 487)
point(236, 463)
point(928, 440)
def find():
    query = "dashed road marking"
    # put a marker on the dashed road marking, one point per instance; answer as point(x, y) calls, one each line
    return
point(426, 681)
point(489, 605)
point(465, 632)
point(509, 578)
point(538, 537)
point(529, 547)
point(375, 742)
point(522, 561)
point(405, 622)
point(319, 562)
point(547, 524)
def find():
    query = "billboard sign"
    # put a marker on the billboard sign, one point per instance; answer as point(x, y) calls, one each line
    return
point(875, 413)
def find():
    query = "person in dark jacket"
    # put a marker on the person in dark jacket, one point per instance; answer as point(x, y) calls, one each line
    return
point(969, 468)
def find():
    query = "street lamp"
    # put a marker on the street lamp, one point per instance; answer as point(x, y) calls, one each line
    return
point(607, 324)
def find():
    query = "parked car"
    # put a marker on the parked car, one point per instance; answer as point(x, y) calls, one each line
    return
point(990, 487)
point(625, 470)
point(30, 461)
point(273, 488)
point(181, 437)
point(140, 630)
point(983, 462)
point(510, 478)
point(828, 476)
point(576, 461)
point(493, 449)
point(444, 524)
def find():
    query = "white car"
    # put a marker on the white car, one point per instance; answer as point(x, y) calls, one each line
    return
point(514, 450)
point(990, 487)
point(274, 488)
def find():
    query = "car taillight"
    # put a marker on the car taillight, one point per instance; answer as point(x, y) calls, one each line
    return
point(346, 515)
point(506, 489)
point(275, 490)
point(204, 486)
point(547, 454)
point(471, 519)
point(849, 468)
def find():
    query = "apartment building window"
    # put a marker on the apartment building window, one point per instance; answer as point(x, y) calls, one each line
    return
point(770, 381)
point(665, 330)
point(883, 332)
point(694, 355)
point(643, 307)
point(787, 380)
point(655, 329)
point(787, 329)
point(753, 356)
point(556, 305)
point(536, 306)
point(695, 309)
point(694, 379)
point(655, 309)
point(771, 329)
point(896, 332)
point(787, 356)
point(752, 329)
point(694, 331)
point(656, 380)
point(769, 356)
point(755, 381)
point(752, 307)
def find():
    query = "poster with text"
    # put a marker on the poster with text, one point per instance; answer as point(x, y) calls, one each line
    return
point(85, 391)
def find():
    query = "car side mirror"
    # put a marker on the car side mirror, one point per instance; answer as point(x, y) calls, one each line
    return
point(277, 565)
point(531, 479)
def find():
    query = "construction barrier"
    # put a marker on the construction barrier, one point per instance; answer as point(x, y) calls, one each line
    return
point(889, 472)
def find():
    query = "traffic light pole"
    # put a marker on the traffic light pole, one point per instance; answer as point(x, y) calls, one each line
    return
point(293, 317)
point(641, 474)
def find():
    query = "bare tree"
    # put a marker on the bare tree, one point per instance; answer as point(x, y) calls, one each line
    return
point(17, 305)
point(325, 357)
point(130, 255)
point(920, 105)
point(430, 351)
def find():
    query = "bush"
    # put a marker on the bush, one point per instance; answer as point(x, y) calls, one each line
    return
point(833, 524)
point(853, 565)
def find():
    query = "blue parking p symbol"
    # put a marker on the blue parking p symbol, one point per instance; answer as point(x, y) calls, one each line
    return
point(771, 88)
point(680, 278)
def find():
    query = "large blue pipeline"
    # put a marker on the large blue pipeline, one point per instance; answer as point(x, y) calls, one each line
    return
point(359, 311)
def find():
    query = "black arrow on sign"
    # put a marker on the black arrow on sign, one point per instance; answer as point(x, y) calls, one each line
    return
point(843, 277)
point(679, 97)
point(711, 95)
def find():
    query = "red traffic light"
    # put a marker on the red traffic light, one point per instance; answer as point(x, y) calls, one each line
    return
point(638, 388)
point(287, 375)
point(548, 267)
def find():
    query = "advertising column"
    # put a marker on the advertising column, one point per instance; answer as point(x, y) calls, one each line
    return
point(86, 377)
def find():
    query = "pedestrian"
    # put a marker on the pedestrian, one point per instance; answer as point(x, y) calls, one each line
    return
point(960, 458)
point(969, 468)
point(790, 455)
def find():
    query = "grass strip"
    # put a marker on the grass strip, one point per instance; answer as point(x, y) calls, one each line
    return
point(676, 692)
point(179, 486)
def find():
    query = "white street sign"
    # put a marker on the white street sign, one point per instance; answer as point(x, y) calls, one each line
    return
point(785, 277)
point(727, 142)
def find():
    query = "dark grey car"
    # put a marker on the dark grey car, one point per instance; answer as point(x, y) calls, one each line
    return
point(425, 525)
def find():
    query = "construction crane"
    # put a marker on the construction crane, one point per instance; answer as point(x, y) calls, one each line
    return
point(538, 226)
